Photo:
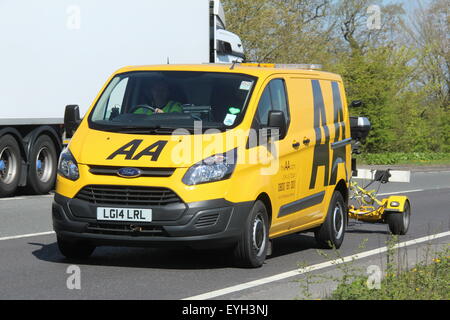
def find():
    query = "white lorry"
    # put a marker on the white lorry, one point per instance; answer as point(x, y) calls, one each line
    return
point(58, 52)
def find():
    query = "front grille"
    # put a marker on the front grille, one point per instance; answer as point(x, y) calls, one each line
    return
point(145, 172)
point(126, 230)
point(128, 195)
point(207, 220)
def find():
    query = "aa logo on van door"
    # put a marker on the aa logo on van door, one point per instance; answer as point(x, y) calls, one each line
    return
point(129, 150)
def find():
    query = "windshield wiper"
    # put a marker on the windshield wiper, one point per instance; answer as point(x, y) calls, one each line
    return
point(143, 130)
point(132, 129)
point(157, 129)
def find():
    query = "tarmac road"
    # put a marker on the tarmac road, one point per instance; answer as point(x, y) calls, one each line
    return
point(31, 266)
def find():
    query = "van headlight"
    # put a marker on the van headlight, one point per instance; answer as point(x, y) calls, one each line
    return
point(215, 168)
point(67, 165)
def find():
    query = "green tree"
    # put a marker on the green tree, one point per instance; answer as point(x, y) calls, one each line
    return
point(377, 78)
point(400, 70)
point(429, 32)
point(282, 31)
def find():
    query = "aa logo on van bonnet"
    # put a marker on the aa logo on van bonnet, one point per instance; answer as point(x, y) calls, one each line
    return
point(153, 151)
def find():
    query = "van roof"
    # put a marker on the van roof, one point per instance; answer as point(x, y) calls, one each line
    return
point(257, 70)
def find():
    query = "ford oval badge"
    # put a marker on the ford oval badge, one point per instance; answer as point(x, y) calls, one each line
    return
point(129, 172)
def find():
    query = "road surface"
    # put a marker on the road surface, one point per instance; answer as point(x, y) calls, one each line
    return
point(31, 267)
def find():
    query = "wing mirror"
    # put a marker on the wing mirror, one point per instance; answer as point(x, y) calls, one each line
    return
point(277, 120)
point(359, 127)
point(71, 120)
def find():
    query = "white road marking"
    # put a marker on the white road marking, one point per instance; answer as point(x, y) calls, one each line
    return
point(8, 199)
point(27, 197)
point(293, 273)
point(411, 191)
point(396, 175)
point(433, 172)
point(27, 235)
point(400, 192)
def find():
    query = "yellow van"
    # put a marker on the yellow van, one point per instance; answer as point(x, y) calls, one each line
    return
point(228, 156)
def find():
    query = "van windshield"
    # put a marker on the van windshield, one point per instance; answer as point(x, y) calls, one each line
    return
point(158, 102)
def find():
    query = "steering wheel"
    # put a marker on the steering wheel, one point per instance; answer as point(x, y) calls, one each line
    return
point(144, 106)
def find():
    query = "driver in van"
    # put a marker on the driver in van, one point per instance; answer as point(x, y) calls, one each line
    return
point(159, 91)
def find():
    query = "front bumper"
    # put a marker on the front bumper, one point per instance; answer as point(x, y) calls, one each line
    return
point(211, 223)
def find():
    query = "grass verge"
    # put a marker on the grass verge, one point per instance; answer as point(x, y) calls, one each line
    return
point(423, 282)
point(429, 279)
point(414, 158)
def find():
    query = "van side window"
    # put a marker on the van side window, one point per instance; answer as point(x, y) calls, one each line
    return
point(279, 96)
point(111, 103)
point(115, 101)
point(273, 98)
point(264, 106)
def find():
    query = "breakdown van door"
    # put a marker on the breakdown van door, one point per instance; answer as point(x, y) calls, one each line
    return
point(307, 207)
point(284, 160)
point(325, 165)
point(340, 138)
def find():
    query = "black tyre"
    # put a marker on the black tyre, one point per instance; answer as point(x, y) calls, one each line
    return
point(399, 221)
point(10, 165)
point(75, 250)
point(331, 233)
point(251, 250)
point(43, 166)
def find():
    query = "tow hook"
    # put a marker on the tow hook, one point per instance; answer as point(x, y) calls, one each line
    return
point(135, 228)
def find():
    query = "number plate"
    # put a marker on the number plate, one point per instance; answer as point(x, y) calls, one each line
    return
point(124, 214)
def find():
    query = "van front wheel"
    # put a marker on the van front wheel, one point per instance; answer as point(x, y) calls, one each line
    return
point(331, 233)
point(251, 249)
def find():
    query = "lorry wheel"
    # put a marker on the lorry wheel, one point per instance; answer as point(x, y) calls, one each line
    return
point(75, 250)
point(251, 249)
point(10, 165)
point(399, 221)
point(331, 233)
point(43, 163)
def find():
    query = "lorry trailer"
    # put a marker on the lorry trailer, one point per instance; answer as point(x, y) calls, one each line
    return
point(58, 52)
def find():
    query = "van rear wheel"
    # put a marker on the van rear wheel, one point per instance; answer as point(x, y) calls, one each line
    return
point(331, 233)
point(10, 165)
point(251, 250)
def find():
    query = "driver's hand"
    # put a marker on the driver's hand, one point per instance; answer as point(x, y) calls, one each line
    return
point(158, 110)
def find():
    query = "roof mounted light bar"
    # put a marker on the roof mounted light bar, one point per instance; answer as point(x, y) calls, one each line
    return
point(299, 66)
point(284, 66)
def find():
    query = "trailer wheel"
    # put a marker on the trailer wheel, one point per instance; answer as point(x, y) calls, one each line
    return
point(75, 250)
point(10, 165)
point(251, 250)
point(399, 221)
point(43, 163)
point(331, 233)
